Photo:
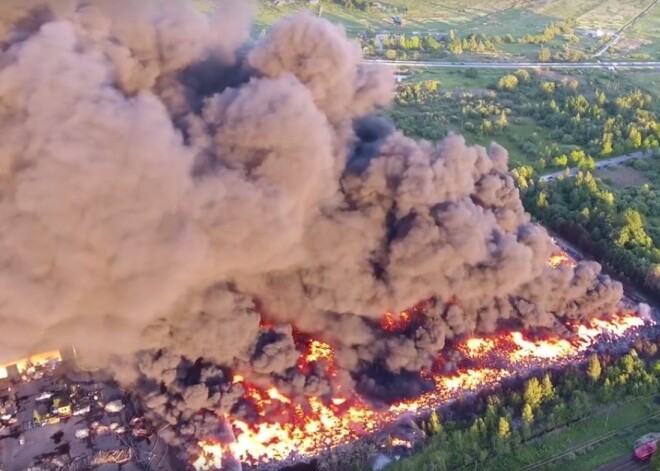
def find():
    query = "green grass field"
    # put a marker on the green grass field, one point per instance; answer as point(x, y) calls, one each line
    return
point(647, 30)
point(497, 17)
point(452, 79)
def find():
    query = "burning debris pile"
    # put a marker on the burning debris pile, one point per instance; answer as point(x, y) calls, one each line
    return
point(283, 428)
point(216, 207)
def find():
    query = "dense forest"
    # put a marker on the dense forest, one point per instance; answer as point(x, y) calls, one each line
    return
point(619, 226)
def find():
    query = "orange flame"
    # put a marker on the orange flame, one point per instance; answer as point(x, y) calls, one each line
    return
point(476, 347)
point(396, 322)
point(211, 456)
point(551, 349)
point(318, 351)
point(307, 428)
point(561, 259)
point(400, 442)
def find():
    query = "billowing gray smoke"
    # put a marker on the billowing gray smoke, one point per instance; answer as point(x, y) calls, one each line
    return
point(164, 186)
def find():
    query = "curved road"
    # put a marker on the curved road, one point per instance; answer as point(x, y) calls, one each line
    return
point(652, 65)
point(600, 164)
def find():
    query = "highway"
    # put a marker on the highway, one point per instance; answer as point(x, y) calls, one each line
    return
point(649, 65)
point(614, 161)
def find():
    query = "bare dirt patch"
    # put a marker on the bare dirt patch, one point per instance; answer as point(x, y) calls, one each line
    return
point(622, 176)
point(628, 45)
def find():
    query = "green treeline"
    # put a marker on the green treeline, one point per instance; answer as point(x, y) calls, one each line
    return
point(496, 427)
point(619, 226)
point(545, 121)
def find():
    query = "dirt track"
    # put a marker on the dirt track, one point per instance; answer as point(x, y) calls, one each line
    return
point(623, 463)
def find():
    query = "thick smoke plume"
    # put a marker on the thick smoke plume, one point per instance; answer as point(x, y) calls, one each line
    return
point(173, 198)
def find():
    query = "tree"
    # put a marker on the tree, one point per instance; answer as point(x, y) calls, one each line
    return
point(548, 388)
point(632, 233)
point(429, 43)
point(523, 75)
point(503, 428)
point(594, 369)
point(508, 82)
point(548, 87)
point(533, 393)
point(607, 144)
point(435, 427)
point(527, 414)
point(635, 138)
point(502, 121)
point(560, 161)
point(588, 164)
point(628, 363)
point(544, 54)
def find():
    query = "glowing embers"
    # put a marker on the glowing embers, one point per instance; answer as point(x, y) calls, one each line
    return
point(211, 456)
point(400, 442)
point(288, 427)
point(550, 349)
point(308, 430)
point(396, 322)
point(477, 347)
point(318, 352)
point(561, 259)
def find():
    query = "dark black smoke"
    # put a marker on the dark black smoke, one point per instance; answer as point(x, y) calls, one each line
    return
point(165, 186)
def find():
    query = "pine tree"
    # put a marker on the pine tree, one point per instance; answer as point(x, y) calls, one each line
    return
point(435, 427)
point(594, 369)
point(533, 394)
point(635, 138)
point(544, 54)
point(503, 428)
point(548, 388)
point(527, 414)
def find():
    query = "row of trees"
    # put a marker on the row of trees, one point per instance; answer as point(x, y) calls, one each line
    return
point(576, 122)
point(551, 31)
point(492, 427)
point(364, 5)
point(401, 45)
point(619, 226)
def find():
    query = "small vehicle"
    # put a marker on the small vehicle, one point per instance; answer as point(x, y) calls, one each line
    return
point(646, 451)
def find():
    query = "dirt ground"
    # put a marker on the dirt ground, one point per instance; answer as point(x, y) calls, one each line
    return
point(624, 463)
point(622, 176)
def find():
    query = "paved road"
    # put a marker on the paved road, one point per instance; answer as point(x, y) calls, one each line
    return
point(519, 65)
point(614, 161)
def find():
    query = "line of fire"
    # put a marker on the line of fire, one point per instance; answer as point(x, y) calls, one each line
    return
point(47, 396)
point(287, 430)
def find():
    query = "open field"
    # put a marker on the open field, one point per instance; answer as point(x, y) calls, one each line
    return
point(622, 176)
point(496, 18)
point(472, 15)
point(647, 81)
point(454, 79)
point(647, 31)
